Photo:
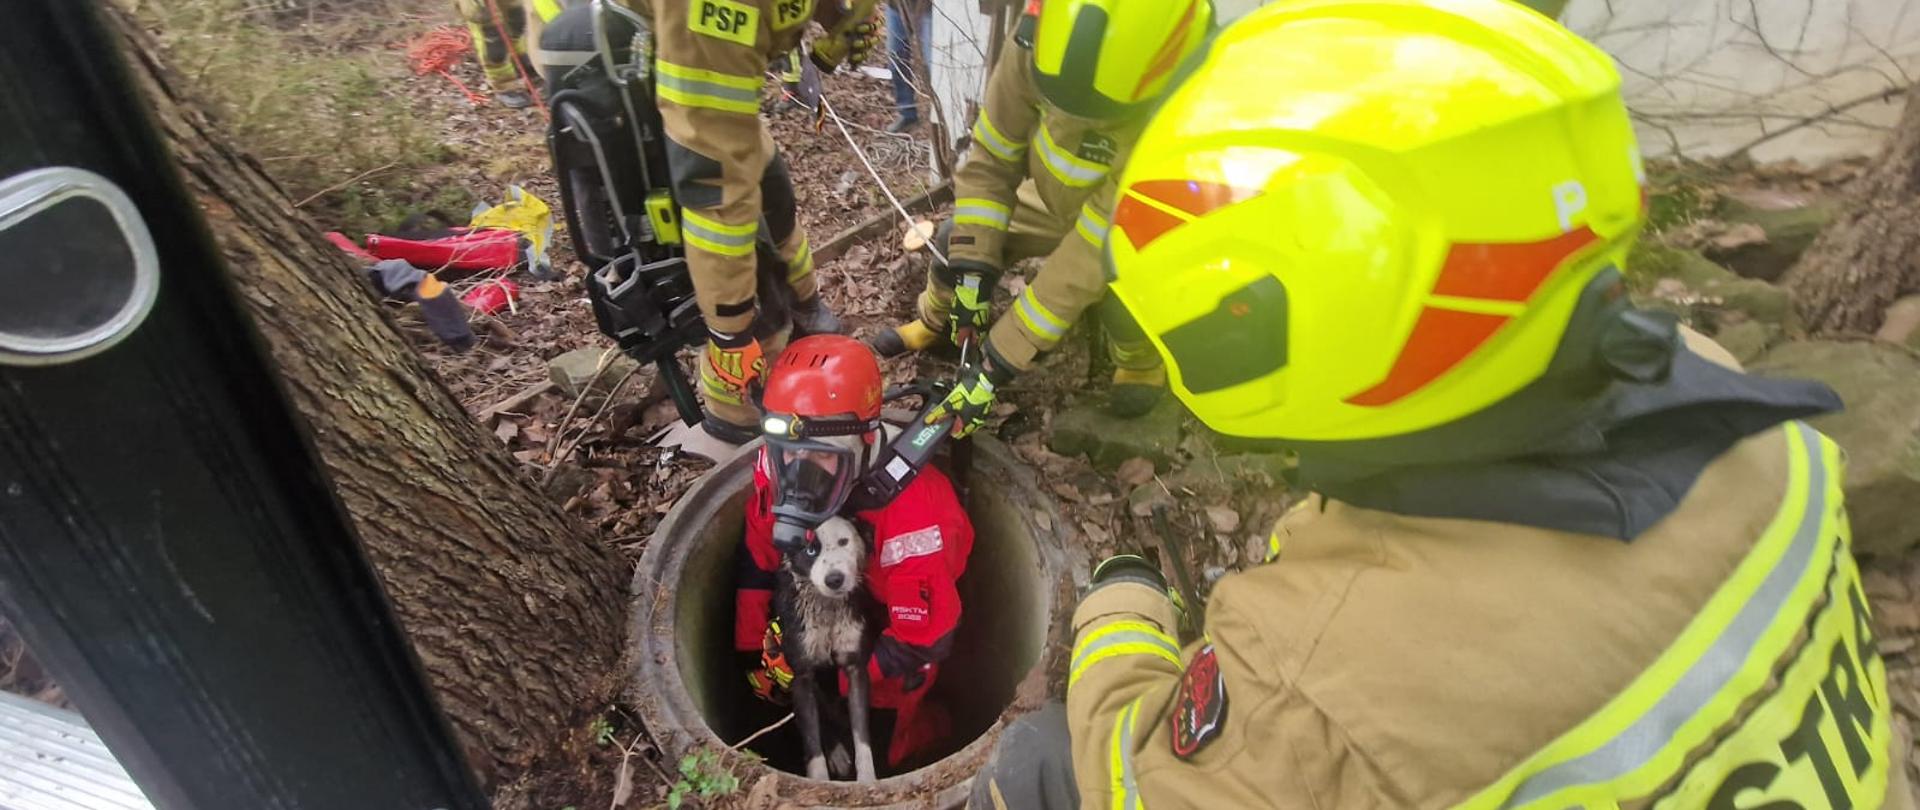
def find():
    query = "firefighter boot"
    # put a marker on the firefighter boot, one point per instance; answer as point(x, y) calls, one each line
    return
point(813, 317)
point(1136, 391)
point(928, 331)
point(1139, 376)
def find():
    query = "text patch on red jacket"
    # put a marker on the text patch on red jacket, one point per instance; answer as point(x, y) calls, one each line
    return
point(911, 604)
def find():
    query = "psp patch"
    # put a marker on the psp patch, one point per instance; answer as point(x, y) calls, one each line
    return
point(725, 20)
point(1200, 707)
point(789, 13)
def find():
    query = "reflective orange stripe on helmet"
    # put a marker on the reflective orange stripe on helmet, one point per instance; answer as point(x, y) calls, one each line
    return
point(1444, 336)
point(1151, 208)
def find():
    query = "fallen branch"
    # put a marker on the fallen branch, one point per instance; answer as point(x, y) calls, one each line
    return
point(825, 104)
point(840, 242)
point(758, 734)
point(514, 402)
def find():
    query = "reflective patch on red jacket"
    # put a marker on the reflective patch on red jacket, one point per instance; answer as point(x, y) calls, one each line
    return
point(1200, 706)
point(918, 543)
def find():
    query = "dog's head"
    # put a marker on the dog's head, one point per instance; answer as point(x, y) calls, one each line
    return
point(833, 561)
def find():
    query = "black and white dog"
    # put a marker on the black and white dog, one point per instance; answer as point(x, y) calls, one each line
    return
point(829, 620)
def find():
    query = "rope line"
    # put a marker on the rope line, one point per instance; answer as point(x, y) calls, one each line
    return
point(827, 106)
point(437, 51)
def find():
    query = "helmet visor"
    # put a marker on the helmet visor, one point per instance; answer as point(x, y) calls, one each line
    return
point(811, 478)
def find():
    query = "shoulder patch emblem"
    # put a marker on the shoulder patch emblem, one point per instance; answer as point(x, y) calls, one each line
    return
point(789, 13)
point(1098, 148)
point(725, 20)
point(1200, 707)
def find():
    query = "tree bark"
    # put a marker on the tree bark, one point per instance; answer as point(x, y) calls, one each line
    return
point(1870, 255)
point(514, 610)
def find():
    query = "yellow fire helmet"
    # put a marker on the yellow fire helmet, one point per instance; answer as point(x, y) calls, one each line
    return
point(1108, 59)
point(1360, 219)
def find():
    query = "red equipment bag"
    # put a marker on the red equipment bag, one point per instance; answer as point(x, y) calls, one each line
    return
point(464, 251)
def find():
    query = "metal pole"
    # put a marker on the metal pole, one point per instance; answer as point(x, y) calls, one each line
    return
point(168, 543)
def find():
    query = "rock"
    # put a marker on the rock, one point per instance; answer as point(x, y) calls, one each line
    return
point(1134, 471)
point(1902, 324)
point(1789, 221)
point(1671, 203)
point(579, 370)
point(1144, 498)
point(1223, 518)
point(568, 481)
point(1088, 429)
point(1880, 431)
point(1746, 340)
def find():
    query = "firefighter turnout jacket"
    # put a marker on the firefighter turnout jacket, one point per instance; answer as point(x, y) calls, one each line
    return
point(710, 60)
point(1722, 659)
point(921, 541)
point(1070, 167)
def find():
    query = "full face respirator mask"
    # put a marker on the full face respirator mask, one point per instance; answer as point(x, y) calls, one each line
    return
point(814, 465)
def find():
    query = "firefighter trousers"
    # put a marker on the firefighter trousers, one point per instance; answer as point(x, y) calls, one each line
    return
point(1035, 232)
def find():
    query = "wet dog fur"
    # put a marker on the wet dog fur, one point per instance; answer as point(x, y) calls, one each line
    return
point(829, 622)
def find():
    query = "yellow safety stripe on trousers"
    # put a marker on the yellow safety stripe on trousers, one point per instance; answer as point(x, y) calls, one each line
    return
point(1725, 658)
point(714, 236)
point(801, 265)
point(1124, 791)
point(1040, 320)
point(697, 87)
point(1067, 168)
point(1092, 226)
point(983, 212)
point(996, 143)
point(1121, 638)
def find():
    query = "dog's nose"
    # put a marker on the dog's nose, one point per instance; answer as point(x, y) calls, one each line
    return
point(836, 579)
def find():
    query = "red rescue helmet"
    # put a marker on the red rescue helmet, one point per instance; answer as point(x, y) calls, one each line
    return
point(825, 376)
point(822, 406)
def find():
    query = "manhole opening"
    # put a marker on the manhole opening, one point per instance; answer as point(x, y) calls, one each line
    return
point(1002, 632)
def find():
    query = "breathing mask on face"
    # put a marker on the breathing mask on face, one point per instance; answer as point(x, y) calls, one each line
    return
point(814, 465)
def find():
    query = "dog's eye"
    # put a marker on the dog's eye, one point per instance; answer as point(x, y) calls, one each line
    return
point(813, 551)
point(843, 541)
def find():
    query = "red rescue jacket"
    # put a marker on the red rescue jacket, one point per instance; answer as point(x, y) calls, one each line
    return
point(921, 542)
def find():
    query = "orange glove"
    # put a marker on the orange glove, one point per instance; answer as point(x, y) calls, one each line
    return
point(774, 678)
point(734, 366)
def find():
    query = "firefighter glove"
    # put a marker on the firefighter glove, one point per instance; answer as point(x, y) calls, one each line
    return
point(733, 364)
point(861, 38)
point(972, 300)
point(971, 399)
point(774, 677)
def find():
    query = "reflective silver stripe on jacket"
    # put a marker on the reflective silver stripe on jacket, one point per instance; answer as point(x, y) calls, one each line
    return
point(1639, 742)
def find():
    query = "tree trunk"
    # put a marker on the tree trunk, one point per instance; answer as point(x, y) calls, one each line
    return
point(514, 610)
point(1870, 255)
